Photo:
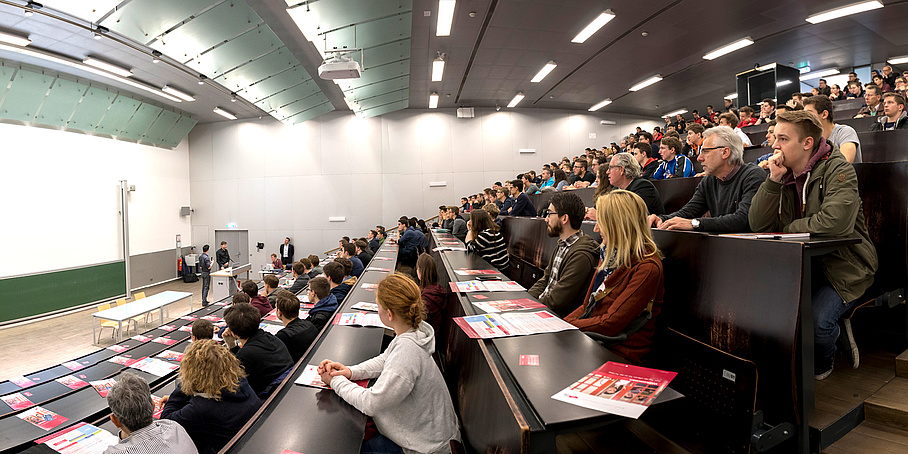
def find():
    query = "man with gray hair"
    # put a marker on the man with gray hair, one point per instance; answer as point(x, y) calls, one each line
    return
point(131, 411)
point(624, 173)
point(725, 192)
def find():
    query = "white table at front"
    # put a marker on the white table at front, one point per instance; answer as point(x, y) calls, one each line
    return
point(120, 314)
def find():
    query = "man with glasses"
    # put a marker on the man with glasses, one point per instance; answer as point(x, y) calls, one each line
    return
point(581, 177)
point(563, 285)
point(624, 173)
point(725, 192)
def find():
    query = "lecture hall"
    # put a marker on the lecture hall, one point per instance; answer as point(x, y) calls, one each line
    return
point(454, 226)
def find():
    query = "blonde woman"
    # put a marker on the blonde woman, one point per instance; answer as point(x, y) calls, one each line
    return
point(629, 279)
point(409, 402)
point(212, 400)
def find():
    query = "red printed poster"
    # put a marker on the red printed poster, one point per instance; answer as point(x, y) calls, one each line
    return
point(617, 388)
point(103, 386)
point(21, 382)
point(140, 338)
point(16, 401)
point(71, 382)
point(42, 418)
point(168, 327)
point(529, 360)
point(118, 348)
point(158, 407)
point(73, 365)
point(164, 340)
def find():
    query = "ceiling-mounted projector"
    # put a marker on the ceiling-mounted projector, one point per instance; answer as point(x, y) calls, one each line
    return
point(340, 68)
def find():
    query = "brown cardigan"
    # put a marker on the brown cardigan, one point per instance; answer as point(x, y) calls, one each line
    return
point(631, 290)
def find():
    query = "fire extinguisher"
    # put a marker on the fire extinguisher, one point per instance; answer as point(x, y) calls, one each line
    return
point(180, 265)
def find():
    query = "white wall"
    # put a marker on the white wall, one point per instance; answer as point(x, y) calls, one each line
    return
point(61, 206)
point(277, 180)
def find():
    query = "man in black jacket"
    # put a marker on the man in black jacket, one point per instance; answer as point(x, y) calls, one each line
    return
point(223, 257)
point(725, 192)
point(287, 253)
point(297, 334)
point(624, 173)
point(263, 356)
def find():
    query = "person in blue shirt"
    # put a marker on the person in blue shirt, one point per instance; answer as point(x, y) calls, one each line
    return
point(547, 179)
point(409, 242)
point(673, 164)
point(348, 251)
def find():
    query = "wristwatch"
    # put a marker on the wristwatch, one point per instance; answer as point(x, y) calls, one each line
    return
point(695, 223)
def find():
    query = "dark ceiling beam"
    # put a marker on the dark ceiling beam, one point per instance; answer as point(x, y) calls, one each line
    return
point(482, 32)
point(274, 13)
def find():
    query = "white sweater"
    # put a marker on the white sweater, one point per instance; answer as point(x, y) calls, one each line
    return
point(409, 402)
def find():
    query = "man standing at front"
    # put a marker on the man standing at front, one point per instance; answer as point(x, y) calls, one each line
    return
point(287, 253)
point(811, 188)
point(572, 267)
point(205, 271)
point(223, 257)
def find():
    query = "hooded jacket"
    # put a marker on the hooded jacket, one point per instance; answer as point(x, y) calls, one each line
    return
point(324, 309)
point(900, 123)
point(409, 402)
point(822, 200)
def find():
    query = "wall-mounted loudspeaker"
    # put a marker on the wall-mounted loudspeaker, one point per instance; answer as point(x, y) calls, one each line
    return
point(185, 211)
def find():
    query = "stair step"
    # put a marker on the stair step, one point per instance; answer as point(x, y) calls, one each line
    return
point(889, 405)
point(901, 365)
point(871, 437)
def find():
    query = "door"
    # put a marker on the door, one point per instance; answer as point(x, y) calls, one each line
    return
point(237, 244)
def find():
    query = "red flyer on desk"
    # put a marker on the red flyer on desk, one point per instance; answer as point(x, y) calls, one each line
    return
point(158, 407)
point(71, 382)
point(118, 348)
point(167, 327)
point(164, 340)
point(21, 382)
point(212, 318)
point(73, 365)
point(171, 355)
point(42, 418)
point(122, 360)
point(16, 401)
point(617, 388)
point(140, 338)
point(103, 386)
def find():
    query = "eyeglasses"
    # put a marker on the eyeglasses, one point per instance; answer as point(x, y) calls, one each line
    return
point(615, 167)
point(705, 149)
point(548, 212)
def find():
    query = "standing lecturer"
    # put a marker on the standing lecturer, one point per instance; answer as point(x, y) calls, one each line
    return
point(205, 269)
point(287, 253)
point(223, 257)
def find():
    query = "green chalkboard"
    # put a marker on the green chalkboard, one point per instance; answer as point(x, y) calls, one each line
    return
point(26, 296)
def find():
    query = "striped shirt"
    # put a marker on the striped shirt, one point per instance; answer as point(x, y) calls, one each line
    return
point(563, 247)
point(160, 437)
point(490, 245)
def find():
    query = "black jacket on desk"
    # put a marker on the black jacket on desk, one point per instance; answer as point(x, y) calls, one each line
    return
point(212, 423)
point(298, 336)
point(264, 357)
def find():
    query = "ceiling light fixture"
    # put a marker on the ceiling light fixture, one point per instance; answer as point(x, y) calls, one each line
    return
point(30, 6)
point(783, 83)
point(155, 56)
point(438, 67)
point(445, 17)
point(594, 26)
point(732, 95)
point(82, 67)
point(898, 60)
point(677, 112)
point(120, 71)
point(600, 105)
point(767, 67)
point(729, 48)
point(224, 113)
point(233, 97)
point(844, 11)
point(202, 78)
point(516, 100)
point(13, 39)
point(818, 74)
point(544, 71)
point(179, 94)
point(646, 83)
point(433, 100)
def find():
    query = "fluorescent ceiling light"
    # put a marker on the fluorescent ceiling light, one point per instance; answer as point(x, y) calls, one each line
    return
point(677, 112)
point(783, 83)
point(818, 74)
point(445, 17)
point(120, 71)
point(729, 48)
point(13, 39)
point(601, 104)
point(767, 67)
point(732, 95)
point(224, 113)
point(898, 60)
point(594, 26)
point(646, 83)
point(516, 100)
point(844, 11)
point(78, 65)
point(544, 71)
point(438, 69)
point(179, 94)
point(433, 100)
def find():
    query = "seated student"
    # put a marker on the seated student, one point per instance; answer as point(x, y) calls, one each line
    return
point(434, 296)
point(842, 136)
point(131, 410)
point(493, 211)
point(409, 400)
point(629, 279)
point(374, 242)
point(624, 173)
point(260, 302)
point(504, 200)
point(485, 239)
point(316, 267)
point(529, 187)
point(812, 188)
point(648, 165)
point(873, 102)
point(262, 355)
point(348, 251)
point(730, 119)
point(855, 90)
point(573, 263)
point(561, 180)
point(894, 116)
point(363, 253)
point(271, 291)
point(297, 334)
point(523, 206)
point(465, 205)
point(458, 224)
point(301, 271)
point(240, 297)
point(202, 329)
point(547, 178)
point(725, 192)
point(321, 290)
point(335, 273)
point(212, 399)
point(674, 164)
point(879, 82)
point(276, 262)
point(349, 278)
point(747, 118)
point(409, 240)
